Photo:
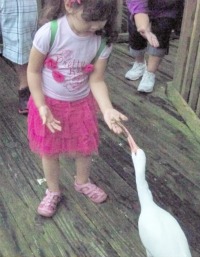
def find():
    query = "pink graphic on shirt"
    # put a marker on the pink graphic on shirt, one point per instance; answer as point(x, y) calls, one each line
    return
point(75, 71)
point(88, 68)
point(50, 64)
point(75, 84)
point(63, 57)
point(58, 76)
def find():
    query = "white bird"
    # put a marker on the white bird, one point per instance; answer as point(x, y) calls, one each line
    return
point(159, 231)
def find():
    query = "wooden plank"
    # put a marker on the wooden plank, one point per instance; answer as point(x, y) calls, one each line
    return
point(125, 14)
point(105, 217)
point(120, 14)
point(191, 57)
point(184, 42)
point(123, 38)
point(185, 111)
point(198, 107)
point(195, 83)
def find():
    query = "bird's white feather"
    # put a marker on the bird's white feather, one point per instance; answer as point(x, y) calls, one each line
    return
point(159, 231)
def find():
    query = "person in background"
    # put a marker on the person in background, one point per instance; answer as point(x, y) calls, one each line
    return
point(18, 24)
point(66, 80)
point(151, 21)
point(178, 23)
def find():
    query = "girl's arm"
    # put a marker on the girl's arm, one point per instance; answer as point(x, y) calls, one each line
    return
point(34, 74)
point(100, 92)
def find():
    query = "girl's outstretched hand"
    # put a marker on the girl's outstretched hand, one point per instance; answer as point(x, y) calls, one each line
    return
point(111, 116)
point(48, 119)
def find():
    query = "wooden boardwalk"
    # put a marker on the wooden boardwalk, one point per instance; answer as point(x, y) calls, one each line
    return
point(81, 228)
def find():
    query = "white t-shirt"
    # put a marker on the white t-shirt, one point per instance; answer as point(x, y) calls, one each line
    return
point(70, 53)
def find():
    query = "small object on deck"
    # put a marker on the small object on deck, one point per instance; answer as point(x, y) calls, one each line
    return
point(41, 181)
point(159, 231)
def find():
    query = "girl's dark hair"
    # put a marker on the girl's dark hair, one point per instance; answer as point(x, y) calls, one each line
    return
point(93, 10)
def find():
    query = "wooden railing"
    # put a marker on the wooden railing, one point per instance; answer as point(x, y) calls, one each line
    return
point(187, 67)
point(184, 90)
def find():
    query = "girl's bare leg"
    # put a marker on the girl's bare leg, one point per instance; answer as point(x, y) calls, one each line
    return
point(83, 164)
point(82, 184)
point(51, 170)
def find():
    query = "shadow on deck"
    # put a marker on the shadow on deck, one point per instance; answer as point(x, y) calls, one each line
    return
point(81, 228)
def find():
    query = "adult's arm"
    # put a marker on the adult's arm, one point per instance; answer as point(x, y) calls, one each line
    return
point(139, 12)
point(137, 6)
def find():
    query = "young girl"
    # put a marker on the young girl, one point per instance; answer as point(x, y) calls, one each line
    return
point(65, 85)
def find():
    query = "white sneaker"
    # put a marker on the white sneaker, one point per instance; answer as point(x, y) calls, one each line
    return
point(147, 83)
point(136, 71)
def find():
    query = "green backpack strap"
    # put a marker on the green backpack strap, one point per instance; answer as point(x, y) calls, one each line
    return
point(101, 47)
point(54, 27)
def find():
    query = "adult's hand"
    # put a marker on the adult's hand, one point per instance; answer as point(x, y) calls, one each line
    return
point(151, 38)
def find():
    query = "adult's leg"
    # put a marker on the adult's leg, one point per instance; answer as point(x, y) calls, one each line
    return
point(19, 24)
point(153, 63)
point(23, 90)
point(22, 75)
point(137, 50)
point(137, 43)
point(161, 27)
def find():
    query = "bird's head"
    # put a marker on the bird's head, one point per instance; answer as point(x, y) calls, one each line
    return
point(139, 160)
point(138, 155)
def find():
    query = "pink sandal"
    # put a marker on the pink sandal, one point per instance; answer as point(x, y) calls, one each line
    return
point(95, 193)
point(48, 205)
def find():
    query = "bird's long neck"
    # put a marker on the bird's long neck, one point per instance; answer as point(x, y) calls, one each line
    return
point(144, 194)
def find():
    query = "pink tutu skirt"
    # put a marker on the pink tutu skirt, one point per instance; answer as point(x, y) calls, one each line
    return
point(79, 128)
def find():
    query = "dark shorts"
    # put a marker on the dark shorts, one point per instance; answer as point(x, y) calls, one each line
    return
point(161, 27)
